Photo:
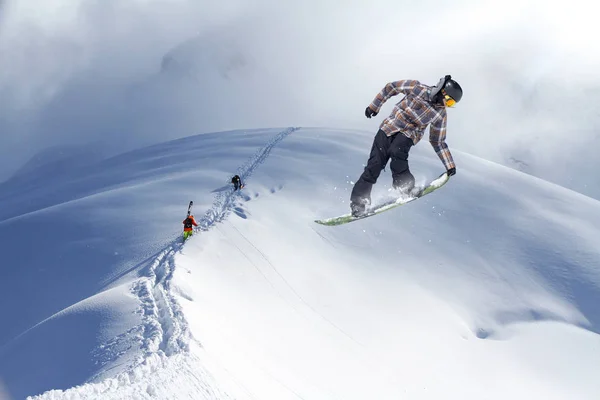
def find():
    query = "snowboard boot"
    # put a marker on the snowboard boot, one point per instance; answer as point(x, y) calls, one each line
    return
point(416, 191)
point(358, 209)
point(405, 189)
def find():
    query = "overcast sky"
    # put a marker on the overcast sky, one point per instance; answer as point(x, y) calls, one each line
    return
point(89, 72)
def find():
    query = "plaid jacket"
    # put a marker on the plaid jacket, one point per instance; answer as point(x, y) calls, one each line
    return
point(413, 113)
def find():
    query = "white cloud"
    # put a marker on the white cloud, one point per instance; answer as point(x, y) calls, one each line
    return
point(67, 67)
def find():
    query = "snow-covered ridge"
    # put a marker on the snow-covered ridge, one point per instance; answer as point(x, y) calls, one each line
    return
point(164, 329)
point(491, 278)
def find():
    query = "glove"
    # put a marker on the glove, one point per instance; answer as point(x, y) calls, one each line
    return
point(451, 171)
point(369, 113)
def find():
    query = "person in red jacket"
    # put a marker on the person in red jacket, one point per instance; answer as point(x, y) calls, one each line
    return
point(188, 227)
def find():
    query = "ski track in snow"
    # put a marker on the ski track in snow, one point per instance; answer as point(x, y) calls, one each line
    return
point(164, 332)
point(289, 286)
point(224, 202)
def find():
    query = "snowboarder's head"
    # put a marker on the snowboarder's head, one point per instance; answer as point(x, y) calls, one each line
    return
point(452, 92)
point(447, 92)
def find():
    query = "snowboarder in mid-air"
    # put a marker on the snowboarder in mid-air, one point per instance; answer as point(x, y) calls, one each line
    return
point(421, 105)
point(237, 182)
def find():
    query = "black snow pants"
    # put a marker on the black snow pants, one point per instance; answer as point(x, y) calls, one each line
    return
point(385, 147)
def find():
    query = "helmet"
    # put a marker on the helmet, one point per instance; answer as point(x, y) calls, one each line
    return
point(449, 87)
point(453, 89)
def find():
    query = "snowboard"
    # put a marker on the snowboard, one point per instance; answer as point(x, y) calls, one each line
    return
point(387, 205)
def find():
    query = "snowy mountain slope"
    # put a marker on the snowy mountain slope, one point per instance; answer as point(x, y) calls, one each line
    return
point(394, 305)
point(486, 288)
point(93, 235)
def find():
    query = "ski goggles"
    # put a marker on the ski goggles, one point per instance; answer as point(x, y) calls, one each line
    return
point(450, 102)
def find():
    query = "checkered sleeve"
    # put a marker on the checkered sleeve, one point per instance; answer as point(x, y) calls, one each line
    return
point(437, 138)
point(392, 89)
